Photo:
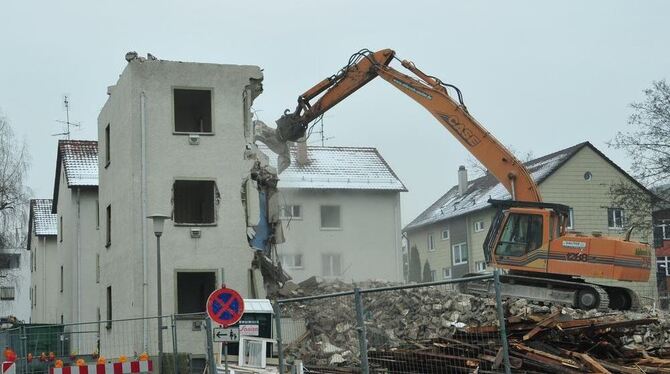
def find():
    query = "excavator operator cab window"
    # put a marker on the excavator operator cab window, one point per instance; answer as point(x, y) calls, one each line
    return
point(522, 233)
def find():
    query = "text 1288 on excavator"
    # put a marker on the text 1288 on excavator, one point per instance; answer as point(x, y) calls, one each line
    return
point(528, 237)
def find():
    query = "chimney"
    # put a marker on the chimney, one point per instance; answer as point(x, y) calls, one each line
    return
point(462, 180)
point(301, 155)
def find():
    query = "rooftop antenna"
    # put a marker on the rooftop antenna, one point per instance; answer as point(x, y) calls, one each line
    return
point(67, 123)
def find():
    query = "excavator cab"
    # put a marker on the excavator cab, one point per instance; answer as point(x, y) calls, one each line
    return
point(520, 233)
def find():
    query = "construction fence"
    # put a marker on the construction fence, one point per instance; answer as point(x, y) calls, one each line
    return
point(415, 328)
point(40, 347)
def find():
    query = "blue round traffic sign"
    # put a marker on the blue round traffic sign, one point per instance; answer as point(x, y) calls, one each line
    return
point(225, 306)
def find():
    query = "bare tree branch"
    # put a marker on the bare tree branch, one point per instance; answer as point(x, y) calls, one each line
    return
point(14, 163)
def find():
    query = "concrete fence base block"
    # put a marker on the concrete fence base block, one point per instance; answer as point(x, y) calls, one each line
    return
point(117, 368)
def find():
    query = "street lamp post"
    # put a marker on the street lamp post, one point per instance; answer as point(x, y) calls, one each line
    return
point(159, 220)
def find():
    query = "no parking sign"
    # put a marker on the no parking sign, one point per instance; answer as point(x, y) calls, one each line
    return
point(225, 306)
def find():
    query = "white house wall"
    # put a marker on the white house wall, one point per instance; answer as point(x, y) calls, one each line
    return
point(368, 241)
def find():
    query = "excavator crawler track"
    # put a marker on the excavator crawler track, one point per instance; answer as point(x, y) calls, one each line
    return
point(574, 292)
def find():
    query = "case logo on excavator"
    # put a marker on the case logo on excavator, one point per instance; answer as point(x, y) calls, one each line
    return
point(465, 133)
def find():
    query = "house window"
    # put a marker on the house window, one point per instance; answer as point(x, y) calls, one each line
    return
point(291, 261)
point(97, 214)
point(109, 308)
point(480, 266)
point(431, 242)
point(35, 298)
point(61, 228)
point(663, 265)
point(445, 234)
point(290, 211)
point(6, 293)
point(446, 273)
point(479, 226)
point(61, 279)
point(615, 218)
point(571, 220)
point(97, 268)
point(665, 229)
point(9, 260)
point(108, 233)
point(331, 265)
point(330, 217)
point(192, 110)
point(194, 201)
point(107, 147)
point(193, 289)
point(432, 275)
point(459, 253)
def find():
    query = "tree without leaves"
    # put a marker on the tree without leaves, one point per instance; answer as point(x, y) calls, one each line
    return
point(648, 145)
point(14, 162)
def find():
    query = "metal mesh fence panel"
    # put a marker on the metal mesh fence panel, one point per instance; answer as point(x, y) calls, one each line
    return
point(431, 329)
point(320, 333)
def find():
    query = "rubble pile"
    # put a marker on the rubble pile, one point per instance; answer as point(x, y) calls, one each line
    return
point(552, 342)
point(448, 331)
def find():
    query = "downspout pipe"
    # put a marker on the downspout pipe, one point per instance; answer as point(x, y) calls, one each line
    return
point(143, 196)
point(78, 293)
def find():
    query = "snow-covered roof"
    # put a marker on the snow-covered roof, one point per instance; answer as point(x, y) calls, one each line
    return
point(349, 168)
point(43, 222)
point(480, 190)
point(80, 159)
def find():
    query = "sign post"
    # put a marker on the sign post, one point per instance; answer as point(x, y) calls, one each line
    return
point(225, 306)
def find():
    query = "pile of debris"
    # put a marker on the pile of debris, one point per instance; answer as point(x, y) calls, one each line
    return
point(553, 342)
point(405, 328)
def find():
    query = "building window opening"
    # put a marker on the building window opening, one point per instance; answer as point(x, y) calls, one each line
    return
point(331, 265)
point(109, 308)
point(290, 212)
point(192, 111)
point(193, 289)
point(615, 218)
point(291, 261)
point(330, 217)
point(7, 293)
point(459, 254)
point(194, 202)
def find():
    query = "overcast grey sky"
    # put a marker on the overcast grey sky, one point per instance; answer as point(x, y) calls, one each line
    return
point(540, 76)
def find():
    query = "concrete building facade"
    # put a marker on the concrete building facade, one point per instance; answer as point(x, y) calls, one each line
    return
point(172, 141)
point(340, 214)
point(44, 271)
point(449, 235)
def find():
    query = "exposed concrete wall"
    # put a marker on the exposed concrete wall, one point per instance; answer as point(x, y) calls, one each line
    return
point(368, 241)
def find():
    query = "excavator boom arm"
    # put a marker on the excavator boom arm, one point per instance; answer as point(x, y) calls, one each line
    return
point(428, 91)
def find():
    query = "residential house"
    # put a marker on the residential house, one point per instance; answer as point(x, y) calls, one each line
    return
point(44, 262)
point(172, 138)
point(15, 293)
point(448, 236)
point(662, 243)
point(75, 204)
point(341, 215)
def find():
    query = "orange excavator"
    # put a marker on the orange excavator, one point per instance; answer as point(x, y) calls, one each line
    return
point(528, 237)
